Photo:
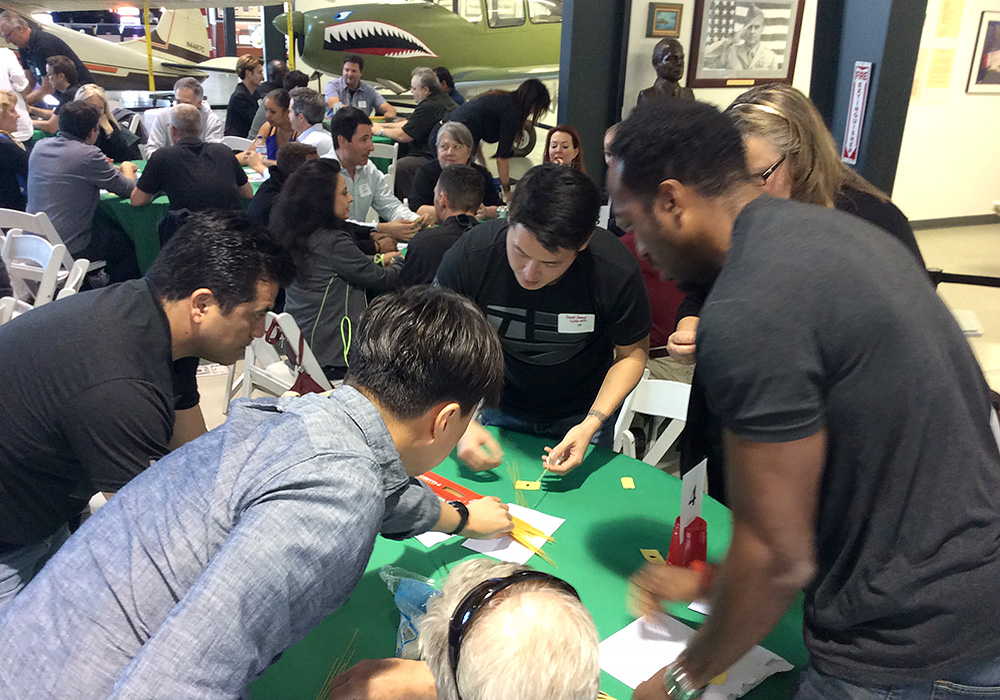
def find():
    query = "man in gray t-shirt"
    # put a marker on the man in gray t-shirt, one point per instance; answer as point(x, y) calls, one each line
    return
point(860, 458)
point(349, 91)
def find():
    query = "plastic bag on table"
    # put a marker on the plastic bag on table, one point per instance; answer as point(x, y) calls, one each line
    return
point(411, 593)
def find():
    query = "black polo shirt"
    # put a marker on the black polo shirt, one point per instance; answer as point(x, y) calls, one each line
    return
point(241, 111)
point(42, 45)
point(195, 175)
point(419, 125)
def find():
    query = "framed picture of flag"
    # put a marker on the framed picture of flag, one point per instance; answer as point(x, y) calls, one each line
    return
point(739, 43)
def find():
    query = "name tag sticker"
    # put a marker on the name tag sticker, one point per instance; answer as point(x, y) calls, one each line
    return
point(362, 104)
point(364, 190)
point(576, 323)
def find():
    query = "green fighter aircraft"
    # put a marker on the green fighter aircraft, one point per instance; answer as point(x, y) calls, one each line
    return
point(477, 40)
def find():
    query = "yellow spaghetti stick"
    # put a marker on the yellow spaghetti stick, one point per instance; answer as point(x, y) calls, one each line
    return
point(525, 542)
point(530, 530)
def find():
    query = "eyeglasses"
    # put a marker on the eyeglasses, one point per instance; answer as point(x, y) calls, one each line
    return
point(477, 599)
point(769, 172)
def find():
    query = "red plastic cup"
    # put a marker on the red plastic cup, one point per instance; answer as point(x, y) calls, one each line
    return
point(695, 544)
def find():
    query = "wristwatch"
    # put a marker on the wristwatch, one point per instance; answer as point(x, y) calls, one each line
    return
point(463, 514)
point(677, 684)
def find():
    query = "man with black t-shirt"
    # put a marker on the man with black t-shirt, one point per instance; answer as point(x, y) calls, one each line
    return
point(194, 174)
point(61, 75)
point(98, 385)
point(860, 458)
point(457, 197)
point(571, 309)
point(35, 46)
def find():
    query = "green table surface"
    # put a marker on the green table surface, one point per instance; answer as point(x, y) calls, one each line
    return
point(139, 223)
point(596, 550)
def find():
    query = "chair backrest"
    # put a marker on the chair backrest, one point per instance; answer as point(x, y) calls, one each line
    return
point(294, 340)
point(237, 143)
point(390, 152)
point(29, 257)
point(77, 273)
point(653, 397)
point(149, 118)
point(38, 224)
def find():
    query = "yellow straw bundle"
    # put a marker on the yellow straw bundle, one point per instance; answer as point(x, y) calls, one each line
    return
point(339, 666)
point(522, 533)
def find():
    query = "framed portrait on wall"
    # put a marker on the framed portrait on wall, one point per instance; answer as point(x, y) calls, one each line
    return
point(984, 75)
point(744, 42)
point(664, 20)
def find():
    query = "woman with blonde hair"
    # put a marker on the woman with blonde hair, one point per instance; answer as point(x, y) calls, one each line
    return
point(791, 155)
point(13, 156)
point(115, 141)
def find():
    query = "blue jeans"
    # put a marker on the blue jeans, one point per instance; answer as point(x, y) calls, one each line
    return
point(981, 680)
point(19, 566)
point(555, 429)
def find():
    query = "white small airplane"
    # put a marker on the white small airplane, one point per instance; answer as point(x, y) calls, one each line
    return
point(180, 45)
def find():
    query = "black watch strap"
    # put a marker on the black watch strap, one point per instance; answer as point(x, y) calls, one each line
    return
point(463, 514)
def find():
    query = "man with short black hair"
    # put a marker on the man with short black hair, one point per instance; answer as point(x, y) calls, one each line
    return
point(60, 74)
point(859, 449)
point(239, 543)
point(457, 197)
point(413, 134)
point(194, 175)
point(65, 177)
point(277, 69)
point(190, 92)
point(448, 85)
point(100, 384)
point(35, 46)
point(352, 144)
point(350, 91)
point(572, 311)
point(306, 114)
point(291, 155)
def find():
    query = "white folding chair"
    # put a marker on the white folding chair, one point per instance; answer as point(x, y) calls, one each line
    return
point(658, 398)
point(237, 143)
point(390, 151)
point(266, 370)
point(34, 259)
point(11, 308)
point(39, 225)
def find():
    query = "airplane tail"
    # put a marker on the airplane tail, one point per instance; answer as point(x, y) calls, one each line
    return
point(184, 34)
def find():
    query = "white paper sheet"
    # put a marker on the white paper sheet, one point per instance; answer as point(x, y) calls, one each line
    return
point(635, 653)
point(699, 607)
point(692, 493)
point(506, 549)
point(430, 539)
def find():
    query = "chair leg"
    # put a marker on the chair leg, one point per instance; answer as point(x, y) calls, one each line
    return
point(230, 388)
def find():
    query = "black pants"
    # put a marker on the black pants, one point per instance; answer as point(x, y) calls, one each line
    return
point(108, 242)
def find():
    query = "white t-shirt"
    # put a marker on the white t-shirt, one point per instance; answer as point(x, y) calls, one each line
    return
point(12, 78)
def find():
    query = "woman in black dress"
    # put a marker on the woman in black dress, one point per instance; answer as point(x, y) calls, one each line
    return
point(114, 140)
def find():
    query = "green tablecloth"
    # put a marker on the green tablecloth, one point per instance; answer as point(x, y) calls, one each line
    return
point(140, 222)
point(596, 549)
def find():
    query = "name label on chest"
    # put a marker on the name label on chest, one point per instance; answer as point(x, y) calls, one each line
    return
point(364, 190)
point(576, 323)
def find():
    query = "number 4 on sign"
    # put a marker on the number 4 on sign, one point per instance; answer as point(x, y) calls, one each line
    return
point(692, 492)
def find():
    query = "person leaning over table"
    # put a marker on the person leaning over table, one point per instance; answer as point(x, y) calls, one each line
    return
point(13, 156)
point(413, 133)
point(190, 92)
point(115, 141)
point(60, 74)
point(498, 631)
point(243, 102)
point(571, 310)
point(499, 117)
point(65, 177)
point(862, 452)
point(352, 146)
point(291, 157)
point(791, 155)
point(203, 570)
point(328, 295)
point(350, 91)
point(194, 175)
point(458, 195)
point(100, 384)
point(35, 46)
point(306, 114)
point(454, 147)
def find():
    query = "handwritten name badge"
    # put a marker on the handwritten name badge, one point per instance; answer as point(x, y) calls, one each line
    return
point(576, 323)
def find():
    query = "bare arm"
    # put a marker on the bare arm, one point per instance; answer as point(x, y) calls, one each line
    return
point(138, 198)
point(188, 424)
point(503, 170)
point(246, 191)
point(775, 489)
point(395, 132)
point(386, 110)
point(622, 377)
point(680, 344)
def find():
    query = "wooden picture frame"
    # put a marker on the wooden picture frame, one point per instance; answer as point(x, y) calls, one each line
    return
point(664, 20)
point(741, 43)
point(984, 73)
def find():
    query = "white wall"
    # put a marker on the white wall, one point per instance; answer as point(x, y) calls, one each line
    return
point(639, 73)
point(949, 161)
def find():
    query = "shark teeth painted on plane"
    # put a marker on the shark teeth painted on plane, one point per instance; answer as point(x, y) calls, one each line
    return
point(374, 38)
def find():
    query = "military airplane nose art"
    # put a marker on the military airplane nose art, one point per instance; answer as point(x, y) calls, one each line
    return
point(375, 38)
